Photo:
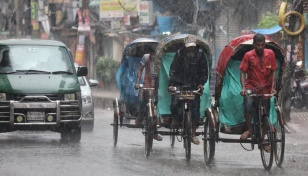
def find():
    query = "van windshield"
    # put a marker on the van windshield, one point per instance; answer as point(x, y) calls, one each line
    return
point(30, 59)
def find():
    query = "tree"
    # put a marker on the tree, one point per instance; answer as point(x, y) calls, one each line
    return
point(268, 20)
point(106, 69)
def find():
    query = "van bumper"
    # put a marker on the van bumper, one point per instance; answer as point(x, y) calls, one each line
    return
point(49, 115)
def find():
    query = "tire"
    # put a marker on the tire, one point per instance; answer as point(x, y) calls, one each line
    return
point(306, 101)
point(267, 139)
point(208, 142)
point(115, 129)
point(302, 23)
point(299, 100)
point(279, 141)
point(74, 135)
point(65, 135)
point(281, 12)
point(91, 126)
point(172, 138)
point(187, 135)
point(149, 134)
point(88, 126)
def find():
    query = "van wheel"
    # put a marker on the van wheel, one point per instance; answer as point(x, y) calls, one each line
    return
point(91, 126)
point(74, 135)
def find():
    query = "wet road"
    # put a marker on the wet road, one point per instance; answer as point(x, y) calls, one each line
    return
point(43, 153)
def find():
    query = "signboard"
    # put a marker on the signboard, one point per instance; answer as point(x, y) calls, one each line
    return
point(145, 12)
point(83, 20)
point(116, 24)
point(34, 22)
point(33, 10)
point(79, 58)
point(115, 9)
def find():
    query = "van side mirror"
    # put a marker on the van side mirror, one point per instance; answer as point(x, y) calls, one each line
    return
point(93, 82)
point(82, 71)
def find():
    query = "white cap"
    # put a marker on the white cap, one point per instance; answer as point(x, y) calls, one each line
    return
point(190, 41)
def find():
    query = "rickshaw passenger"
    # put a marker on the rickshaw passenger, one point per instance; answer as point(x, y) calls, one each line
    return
point(259, 65)
point(188, 68)
point(147, 62)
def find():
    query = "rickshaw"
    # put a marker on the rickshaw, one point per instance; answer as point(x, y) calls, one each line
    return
point(161, 116)
point(226, 115)
point(127, 106)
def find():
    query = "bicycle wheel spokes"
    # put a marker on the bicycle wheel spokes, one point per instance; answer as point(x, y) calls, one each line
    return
point(279, 145)
point(266, 144)
point(187, 135)
point(208, 143)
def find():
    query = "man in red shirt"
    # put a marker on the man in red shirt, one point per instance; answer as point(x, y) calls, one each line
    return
point(259, 65)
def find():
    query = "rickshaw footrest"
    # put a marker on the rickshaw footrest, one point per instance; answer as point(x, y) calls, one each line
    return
point(227, 140)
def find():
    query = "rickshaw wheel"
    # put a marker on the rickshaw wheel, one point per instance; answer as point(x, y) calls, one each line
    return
point(172, 137)
point(280, 141)
point(267, 141)
point(148, 135)
point(115, 129)
point(208, 142)
point(187, 135)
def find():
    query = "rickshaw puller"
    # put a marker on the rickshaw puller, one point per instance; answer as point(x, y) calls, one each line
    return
point(189, 67)
point(147, 62)
point(260, 65)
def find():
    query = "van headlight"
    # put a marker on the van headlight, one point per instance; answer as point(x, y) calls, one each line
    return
point(86, 99)
point(2, 96)
point(68, 97)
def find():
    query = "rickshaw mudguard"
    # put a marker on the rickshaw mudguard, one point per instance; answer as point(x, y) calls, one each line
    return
point(212, 116)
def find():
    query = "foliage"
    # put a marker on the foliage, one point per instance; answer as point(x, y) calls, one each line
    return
point(106, 69)
point(268, 20)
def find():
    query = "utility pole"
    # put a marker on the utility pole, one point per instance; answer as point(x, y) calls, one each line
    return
point(89, 48)
point(17, 27)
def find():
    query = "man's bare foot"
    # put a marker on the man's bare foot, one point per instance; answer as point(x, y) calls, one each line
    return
point(267, 148)
point(246, 134)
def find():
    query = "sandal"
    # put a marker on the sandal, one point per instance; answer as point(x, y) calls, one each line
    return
point(246, 134)
point(195, 140)
point(158, 137)
point(267, 148)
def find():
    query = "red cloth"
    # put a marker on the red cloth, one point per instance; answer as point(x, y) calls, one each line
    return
point(149, 75)
point(258, 78)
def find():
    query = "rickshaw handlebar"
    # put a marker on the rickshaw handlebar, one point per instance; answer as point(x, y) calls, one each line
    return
point(260, 95)
point(175, 91)
point(141, 87)
point(250, 93)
